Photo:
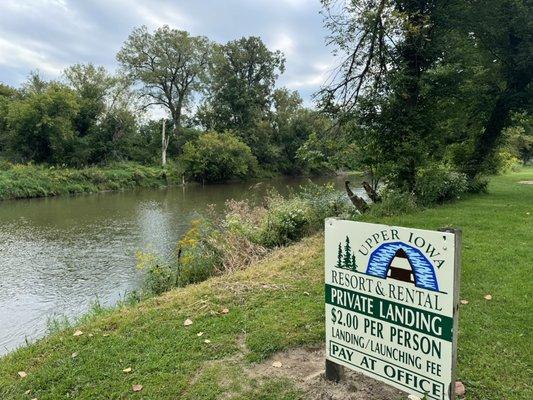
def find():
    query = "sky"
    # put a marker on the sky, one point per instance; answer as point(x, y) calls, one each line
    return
point(49, 35)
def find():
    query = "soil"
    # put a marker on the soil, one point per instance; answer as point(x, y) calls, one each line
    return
point(305, 367)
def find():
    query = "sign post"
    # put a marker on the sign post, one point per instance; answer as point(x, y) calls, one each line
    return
point(392, 298)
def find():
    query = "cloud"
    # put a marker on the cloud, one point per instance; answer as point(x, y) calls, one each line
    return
point(49, 35)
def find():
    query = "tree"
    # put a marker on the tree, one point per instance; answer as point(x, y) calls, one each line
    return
point(218, 157)
point(503, 30)
point(169, 64)
point(41, 126)
point(92, 84)
point(347, 254)
point(389, 48)
point(339, 256)
point(242, 80)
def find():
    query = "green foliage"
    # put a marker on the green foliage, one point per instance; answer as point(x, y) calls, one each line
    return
point(243, 234)
point(170, 64)
point(218, 157)
point(438, 183)
point(23, 181)
point(41, 125)
point(198, 257)
point(393, 202)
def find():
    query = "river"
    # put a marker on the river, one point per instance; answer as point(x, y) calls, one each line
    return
point(59, 255)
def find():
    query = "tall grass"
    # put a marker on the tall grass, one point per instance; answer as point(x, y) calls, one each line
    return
point(25, 181)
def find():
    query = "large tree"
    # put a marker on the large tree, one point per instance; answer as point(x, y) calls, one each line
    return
point(243, 75)
point(170, 65)
point(503, 31)
point(388, 48)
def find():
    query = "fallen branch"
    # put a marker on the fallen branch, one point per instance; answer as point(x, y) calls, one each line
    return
point(372, 194)
point(357, 201)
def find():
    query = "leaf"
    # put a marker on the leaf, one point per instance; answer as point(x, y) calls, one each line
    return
point(74, 355)
point(187, 322)
point(464, 302)
point(78, 333)
point(126, 370)
point(277, 364)
point(22, 374)
point(225, 311)
point(487, 297)
point(207, 341)
point(137, 388)
point(199, 334)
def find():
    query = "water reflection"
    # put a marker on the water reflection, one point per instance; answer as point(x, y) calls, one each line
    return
point(58, 255)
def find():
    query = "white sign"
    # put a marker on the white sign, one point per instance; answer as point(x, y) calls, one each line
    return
point(391, 304)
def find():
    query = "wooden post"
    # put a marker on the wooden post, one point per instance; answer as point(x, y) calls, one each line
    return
point(456, 300)
point(334, 371)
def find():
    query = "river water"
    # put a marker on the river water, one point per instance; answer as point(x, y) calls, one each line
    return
point(59, 255)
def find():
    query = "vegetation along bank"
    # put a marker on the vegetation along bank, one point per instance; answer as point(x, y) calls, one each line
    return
point(25, 181)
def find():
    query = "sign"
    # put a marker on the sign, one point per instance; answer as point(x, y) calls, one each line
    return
point(391, 304)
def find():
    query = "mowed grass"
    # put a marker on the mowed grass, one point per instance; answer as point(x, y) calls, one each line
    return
point(278, 304)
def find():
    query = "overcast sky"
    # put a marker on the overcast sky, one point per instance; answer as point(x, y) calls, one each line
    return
point(48, 35)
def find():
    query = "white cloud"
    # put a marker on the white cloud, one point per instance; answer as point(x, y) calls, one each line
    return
point(283, 42)
point(31, 57)
point(319, 74)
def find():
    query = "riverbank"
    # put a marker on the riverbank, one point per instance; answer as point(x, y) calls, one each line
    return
point(20, 181)
point(241, 321)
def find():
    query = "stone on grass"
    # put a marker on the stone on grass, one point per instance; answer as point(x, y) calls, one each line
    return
point(137, 388)
point(187, 322)
point(487, 297)
point(22, 374)
point(78, 333)
point(460, 389)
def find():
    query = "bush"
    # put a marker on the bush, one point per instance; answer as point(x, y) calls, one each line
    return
point(197, 257)
point(160, 277)
point(243, 234)
point(285, 221)
point(393, 202)
point(218, 157)
point(438, 183)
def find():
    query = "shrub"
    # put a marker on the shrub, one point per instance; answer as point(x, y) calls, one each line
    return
point(438, 183)
point(160, 277)
point(218, 157)
point(243, 234)
point(197, 257)
point(285, 221)
point(393, 202)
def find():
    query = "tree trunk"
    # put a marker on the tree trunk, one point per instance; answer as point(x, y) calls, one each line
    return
point(164, 144)
point(372, 194)
point(357, 201)
point(486, 142)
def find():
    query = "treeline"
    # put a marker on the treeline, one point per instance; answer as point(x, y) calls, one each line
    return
point(433, 94)
point(225, 117)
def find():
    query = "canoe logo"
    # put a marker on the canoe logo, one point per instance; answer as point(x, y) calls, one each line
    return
point(400, 261)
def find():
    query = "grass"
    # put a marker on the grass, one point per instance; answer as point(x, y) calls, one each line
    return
point(278, 304)
point(25, 181)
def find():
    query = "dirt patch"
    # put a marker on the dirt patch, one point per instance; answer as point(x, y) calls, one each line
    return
point(305, 367)
point(526, 182)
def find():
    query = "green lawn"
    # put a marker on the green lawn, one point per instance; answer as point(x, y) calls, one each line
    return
point(278, 304)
